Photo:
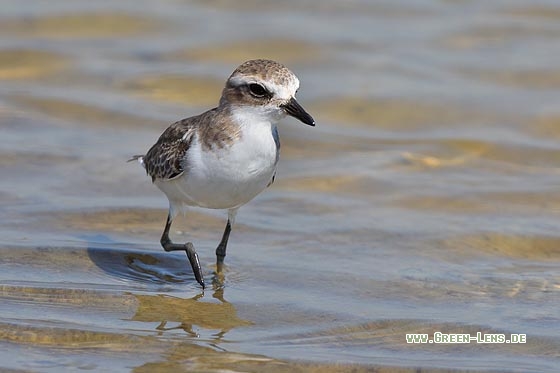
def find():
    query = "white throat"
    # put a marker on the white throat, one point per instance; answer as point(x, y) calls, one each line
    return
point(247, 115)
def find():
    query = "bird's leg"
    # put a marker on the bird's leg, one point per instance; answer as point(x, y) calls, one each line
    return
point(221, 249)
point(168, 245)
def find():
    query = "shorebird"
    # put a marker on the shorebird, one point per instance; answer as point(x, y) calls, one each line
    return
point(224, 157)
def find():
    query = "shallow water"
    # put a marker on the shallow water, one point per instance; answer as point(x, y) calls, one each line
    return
point(426, 199)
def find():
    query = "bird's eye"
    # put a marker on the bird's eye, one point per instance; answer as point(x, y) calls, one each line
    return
point(257, 90)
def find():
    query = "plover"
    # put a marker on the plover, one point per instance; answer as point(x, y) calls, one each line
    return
point(223, 158)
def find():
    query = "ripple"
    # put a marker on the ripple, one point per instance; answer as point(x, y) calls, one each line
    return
point(299, 143)
point(448, 153)
point(142, 220)
point(540, 12)
point(393, 114)
point(35, 161)
point(530, 157)
point(80, 267)
point(489, 36)
point(29, 64)
point(35, 295)
point(183, 89)
point(520, 203)
point(82, 114)
point(352, 184)
point(50, 258)
point(58, 337)
point(525, 202)
point(430, 203)
point(538, 158)
point(547, 126)
point(79, 25)
point(542, 248)
point(286, 50)
point(451, 204)
point(523, 78)
point(390, 334)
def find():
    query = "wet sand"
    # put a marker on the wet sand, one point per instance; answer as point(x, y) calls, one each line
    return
point(425, 200)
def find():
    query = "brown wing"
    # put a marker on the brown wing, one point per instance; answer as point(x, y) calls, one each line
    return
point(166, 158)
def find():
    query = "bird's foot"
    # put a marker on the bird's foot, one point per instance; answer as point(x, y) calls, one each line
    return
point(195, 263)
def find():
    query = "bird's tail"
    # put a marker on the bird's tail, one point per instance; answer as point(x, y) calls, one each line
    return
point(138, 158)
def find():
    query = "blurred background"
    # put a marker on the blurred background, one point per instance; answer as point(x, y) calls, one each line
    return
point(426, 198)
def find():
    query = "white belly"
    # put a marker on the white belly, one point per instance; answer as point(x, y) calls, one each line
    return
point(227, 177)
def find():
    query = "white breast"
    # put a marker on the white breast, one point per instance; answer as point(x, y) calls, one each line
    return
point(230, 176)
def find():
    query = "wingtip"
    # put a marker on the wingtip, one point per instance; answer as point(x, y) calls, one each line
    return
point(138, 158)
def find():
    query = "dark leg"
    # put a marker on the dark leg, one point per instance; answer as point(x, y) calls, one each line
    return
point(168, 245)
point(221, 249)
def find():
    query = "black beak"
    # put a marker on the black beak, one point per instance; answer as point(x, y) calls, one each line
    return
point(294, 109)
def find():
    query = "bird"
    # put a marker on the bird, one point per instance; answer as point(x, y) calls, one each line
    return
point(226, 156)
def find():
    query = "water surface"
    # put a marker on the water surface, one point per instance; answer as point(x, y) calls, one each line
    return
point(426, 198)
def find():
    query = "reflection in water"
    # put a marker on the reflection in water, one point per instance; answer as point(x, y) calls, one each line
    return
point(189, 313)
point(163, 268)
point(426, 200)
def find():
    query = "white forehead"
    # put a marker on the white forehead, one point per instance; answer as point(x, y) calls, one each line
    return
point(283, 89)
